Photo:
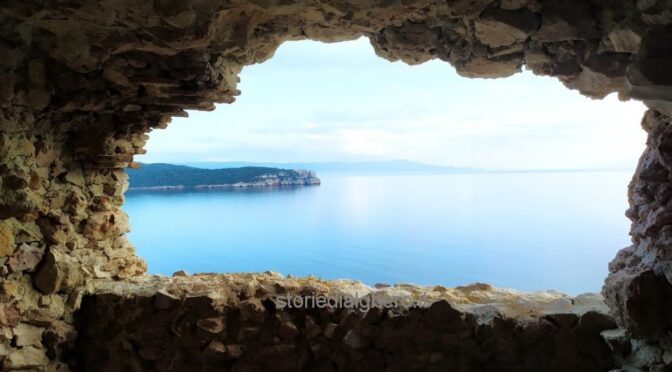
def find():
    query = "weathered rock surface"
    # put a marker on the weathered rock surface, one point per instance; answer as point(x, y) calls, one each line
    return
point(82, 83)
point(638, 288)
point(233, 322)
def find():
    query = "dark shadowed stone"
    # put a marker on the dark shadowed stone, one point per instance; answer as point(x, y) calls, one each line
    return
point(618, 341)
point(46, 277)
point(642, 302)
point(563, 320)
point(566, 20)
point(442, 316)
point(594, 322)
point(468, 7)
point(164, 300)
point(655, 55)
point(252, 310)
point(57, 272)
point(201, 305)
point(656, 12)
point(647, 78)
point(496, 27)
point(213, 325)
point(354, 340)
point(288, 330)
point(514, 4)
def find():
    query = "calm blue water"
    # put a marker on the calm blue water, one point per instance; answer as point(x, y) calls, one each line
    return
point(528, 231)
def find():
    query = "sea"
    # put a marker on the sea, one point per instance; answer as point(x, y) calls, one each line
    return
point(524, 230)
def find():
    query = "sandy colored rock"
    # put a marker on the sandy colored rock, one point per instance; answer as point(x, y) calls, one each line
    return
point(28, 335)
point(75, 177)
point(497, 27)
point(25, 358)
point(8, 290)
point(57, 272)
point(167, 293)
point(9, 315)
point(6, 240)
point(25, 258)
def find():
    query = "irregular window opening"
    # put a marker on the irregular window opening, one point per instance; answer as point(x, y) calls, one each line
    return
point(530, 194)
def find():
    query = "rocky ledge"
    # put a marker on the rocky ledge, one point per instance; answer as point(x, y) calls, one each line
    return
point(480, 299)
point(239, 322)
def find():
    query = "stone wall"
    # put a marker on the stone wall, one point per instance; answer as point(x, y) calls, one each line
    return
point(638, 287)
point(237, 322)
point(83, 82)
point(60, 225)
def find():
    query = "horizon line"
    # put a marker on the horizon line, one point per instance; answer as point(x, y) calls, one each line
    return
point(445, 167)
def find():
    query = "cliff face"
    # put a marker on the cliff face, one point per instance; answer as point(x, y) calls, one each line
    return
point(294, 177)
point(83, 82)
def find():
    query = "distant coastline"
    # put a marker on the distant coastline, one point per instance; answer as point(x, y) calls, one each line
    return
point(223, 186)
point(179, 177)
point(388, 167)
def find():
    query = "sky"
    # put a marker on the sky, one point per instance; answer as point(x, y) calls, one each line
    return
point(317, 102)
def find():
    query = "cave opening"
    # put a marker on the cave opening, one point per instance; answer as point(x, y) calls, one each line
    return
point(82, 83)
point(517, 192)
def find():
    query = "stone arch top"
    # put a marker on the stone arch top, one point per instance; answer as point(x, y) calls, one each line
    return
point(126, 66)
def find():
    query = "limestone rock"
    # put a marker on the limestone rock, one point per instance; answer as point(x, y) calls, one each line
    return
point(57, 272)
point(25, 358)
point(626, 38)
point(8, 290)
point(491, 68)
point(6, 240)
point(58, 337)
point(25, 258)
point(76, 177)
point(28, 335)
point(597, 81)
point(126, 267)
point(497, 27)
point(9, 315)
point(566, 20)
point(216, 347)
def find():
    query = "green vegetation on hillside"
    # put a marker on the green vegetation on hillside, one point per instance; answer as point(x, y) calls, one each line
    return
point(169, 175)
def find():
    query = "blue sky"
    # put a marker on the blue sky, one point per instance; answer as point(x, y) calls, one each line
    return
point(315, 102)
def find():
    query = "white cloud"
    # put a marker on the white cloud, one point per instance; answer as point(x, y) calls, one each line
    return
point(319, 102)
